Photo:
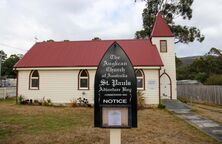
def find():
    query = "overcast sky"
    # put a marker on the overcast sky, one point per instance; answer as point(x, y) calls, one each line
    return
point(22, 21)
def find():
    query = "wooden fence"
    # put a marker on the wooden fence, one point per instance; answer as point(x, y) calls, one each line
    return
point(201, 93)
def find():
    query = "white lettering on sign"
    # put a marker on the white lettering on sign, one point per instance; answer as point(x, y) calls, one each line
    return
point(114, 57)
point(124, 89)
point(115, 82)
point(101, 89)
point(112, 70)
point(104, 82)
point(115, 63)
point(115, 101)
point(109, 75)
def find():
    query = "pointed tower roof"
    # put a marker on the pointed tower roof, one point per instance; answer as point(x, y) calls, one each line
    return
point(160, 28)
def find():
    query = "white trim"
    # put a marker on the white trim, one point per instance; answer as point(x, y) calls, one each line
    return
point(153, 67)
point(33, 78)
point(57, 68)
point(140, 89)
point(79, 68)
point(142, 78)
point(83, 77)
point(34, 88)
point(83, 88)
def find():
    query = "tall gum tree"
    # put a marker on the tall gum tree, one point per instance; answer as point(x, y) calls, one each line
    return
point(170, 10)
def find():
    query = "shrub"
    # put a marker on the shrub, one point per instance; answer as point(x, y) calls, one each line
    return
point(201, 76)
point(49, 101)
point(21, 99)
point(182, 99)
point(214, 80)
point(83, 102)
point(36, 102)
point(140, 100)
point(46, 102)
point(161, 106)
point(74, 103)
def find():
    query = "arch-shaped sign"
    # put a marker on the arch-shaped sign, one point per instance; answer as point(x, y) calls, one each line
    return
point(115, 102)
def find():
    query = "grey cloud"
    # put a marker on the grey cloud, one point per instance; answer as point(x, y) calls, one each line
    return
point(207, 17)
point(22, 20)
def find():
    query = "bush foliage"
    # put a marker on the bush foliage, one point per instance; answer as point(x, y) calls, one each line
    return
point(140, 100)
point(206, 69)
point(214, 80)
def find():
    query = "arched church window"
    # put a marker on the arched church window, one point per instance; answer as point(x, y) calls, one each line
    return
point(83, 79)
point(34, 80)
point(140, 79)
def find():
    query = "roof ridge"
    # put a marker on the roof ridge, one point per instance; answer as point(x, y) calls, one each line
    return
point(94, 40)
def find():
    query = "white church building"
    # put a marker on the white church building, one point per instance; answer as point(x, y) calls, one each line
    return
point(64, 71)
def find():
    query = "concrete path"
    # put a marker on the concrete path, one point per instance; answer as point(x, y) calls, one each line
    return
point(183, 111)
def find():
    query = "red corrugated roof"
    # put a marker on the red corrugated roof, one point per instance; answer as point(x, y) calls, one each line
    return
point(160, 28)
point(87, 53)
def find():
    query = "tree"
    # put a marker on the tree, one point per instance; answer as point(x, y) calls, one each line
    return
point(215, 52)
point(182, 73)
point(7, 66)
point(3, 55)
point(96, 38)
point(178, 62)
point(206, 69)
point(214, 57)
point(214, 80)
point(50, 40)
point(170, 10)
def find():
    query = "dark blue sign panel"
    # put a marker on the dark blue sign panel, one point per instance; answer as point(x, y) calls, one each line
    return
point(115, 102)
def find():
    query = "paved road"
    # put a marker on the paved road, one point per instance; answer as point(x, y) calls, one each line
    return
point(206, 125)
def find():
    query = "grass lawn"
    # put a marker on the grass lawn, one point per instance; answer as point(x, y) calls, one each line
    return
point(20, 124)
point(213, 112)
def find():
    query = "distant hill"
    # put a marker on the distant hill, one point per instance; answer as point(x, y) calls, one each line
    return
point(188, 60)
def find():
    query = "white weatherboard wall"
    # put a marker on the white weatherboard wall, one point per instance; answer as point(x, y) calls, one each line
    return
point(168, 59)
point(61, 86)
point(151, 92)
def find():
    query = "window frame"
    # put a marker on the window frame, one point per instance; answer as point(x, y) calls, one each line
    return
point(142, 78)
point(83, 77)
point(31, 77)
point(161, 48)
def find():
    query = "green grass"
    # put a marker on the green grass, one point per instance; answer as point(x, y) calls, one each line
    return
point(41, 119)
point(39, 123)
point(8, 101)
point(48, 125)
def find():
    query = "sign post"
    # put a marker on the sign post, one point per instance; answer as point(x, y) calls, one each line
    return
point(115, 136)
point(115, 102)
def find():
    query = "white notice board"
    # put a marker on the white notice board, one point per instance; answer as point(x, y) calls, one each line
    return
point(151, 84)
point(114, 118)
